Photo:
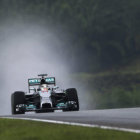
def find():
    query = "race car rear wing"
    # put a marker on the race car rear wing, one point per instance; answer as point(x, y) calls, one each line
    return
point(37, 81)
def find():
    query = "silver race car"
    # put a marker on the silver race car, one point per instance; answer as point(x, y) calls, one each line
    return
point(44, 96)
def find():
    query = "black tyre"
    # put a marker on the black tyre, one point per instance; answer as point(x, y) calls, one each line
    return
point(17, 98)
point(72, 96)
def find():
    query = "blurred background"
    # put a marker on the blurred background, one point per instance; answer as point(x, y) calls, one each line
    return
point(93, 45)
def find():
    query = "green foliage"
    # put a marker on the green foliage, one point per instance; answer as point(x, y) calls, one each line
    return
point(118, 98)
point(113, 89)
point(100, 33)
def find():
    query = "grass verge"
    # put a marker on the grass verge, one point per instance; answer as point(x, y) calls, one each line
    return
point(30, 130)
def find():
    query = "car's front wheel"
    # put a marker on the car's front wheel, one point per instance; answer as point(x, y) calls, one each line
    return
point(17, 98)
point(72, 98)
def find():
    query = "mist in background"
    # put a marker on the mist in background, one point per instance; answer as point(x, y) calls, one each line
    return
point(25, 52)
point(91, 45)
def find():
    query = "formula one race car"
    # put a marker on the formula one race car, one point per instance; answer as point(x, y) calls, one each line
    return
point(44, 96)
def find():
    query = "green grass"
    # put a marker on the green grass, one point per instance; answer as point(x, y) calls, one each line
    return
point(30, 130)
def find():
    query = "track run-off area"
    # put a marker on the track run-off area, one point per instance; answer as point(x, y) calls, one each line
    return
point(116, 119)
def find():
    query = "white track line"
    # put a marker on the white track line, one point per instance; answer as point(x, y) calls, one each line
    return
point(78, 124)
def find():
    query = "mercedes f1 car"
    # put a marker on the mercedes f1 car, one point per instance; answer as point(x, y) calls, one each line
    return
point(44, 96)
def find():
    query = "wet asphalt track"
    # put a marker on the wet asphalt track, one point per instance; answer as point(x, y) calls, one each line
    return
point(123, 118)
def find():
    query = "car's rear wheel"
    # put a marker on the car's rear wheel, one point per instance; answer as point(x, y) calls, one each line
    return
point(72, 96)
point(17, 98)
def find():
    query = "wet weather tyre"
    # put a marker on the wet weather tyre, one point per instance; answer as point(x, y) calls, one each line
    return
point(16, 99)
point(73, 96)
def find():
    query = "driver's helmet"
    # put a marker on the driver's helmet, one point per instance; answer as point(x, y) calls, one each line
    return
point(44, 87)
